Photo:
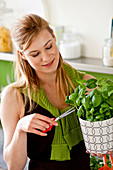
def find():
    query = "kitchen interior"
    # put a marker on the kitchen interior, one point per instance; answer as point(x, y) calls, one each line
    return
point(84, 34)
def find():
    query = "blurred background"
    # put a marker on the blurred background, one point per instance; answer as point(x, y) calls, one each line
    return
point(81, 28)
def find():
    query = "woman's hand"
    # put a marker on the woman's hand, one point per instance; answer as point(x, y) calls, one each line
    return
point(35, 123)
point(99, 154)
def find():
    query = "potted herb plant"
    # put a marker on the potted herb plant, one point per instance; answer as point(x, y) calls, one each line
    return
point(95, 112)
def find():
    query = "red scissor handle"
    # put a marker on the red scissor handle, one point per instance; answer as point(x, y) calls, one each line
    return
point(50, 127)
point(111, 157)
point(105, 167)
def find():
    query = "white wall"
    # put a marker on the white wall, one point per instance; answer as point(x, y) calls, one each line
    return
point(92, 18)
point(20, 7)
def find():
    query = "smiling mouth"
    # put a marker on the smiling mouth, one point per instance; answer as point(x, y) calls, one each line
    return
point(49, 64)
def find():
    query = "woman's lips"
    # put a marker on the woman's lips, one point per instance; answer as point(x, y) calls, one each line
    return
point(49, 64)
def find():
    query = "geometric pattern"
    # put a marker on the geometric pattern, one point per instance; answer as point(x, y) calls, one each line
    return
point(98, 136)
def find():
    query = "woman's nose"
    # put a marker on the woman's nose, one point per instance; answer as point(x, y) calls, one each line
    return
point(45, 56)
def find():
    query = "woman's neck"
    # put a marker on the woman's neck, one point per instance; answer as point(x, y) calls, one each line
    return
point(49, 80)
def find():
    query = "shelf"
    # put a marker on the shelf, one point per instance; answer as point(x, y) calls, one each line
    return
point(7, 56)
point(90, 64)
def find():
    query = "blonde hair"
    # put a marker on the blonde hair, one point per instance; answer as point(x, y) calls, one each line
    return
point(22, 33)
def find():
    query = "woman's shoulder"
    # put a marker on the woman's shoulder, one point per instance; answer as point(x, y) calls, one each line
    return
point(11, 100)
point(8, 92)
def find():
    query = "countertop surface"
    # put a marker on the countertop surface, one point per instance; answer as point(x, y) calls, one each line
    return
point(90, 64)
point(83, 63)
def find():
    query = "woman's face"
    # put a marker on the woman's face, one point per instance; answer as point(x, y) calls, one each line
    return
point(43, 54)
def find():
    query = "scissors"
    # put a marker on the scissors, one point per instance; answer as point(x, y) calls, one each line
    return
point(59, 117)
point(105, 167)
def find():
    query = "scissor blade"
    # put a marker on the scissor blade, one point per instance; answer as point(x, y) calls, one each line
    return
point(66, 113)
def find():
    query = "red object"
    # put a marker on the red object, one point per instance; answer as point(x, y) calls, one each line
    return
point(105, 167)
point(50, 127)
point(111, 158)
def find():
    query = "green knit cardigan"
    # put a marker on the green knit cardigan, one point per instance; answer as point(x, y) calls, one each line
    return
point(68, 132)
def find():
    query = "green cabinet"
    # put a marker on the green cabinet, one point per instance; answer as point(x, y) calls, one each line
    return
point(100, 75)
point(6, 73)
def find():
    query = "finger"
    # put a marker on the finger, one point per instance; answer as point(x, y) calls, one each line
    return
point(37, 132)
point(87, 152)
point(39, 122)
point(100, 155)
point(46, 119)
point(38, 126)
point(93, 154)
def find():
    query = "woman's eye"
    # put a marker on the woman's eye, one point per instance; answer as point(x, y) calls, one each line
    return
point(36, 54)
point(47, 48)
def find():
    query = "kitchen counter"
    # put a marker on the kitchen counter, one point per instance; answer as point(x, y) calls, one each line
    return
point(83, 63)
point(7, 57)
point(90, 64)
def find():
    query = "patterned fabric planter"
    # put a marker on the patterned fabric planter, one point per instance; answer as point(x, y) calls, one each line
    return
point(98, 136)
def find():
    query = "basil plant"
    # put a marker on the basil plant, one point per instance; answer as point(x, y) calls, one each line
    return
point(96, 105)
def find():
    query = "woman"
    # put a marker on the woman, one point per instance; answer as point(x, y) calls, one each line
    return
point(29, 105)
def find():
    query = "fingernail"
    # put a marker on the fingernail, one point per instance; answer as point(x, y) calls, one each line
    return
point(45, 134)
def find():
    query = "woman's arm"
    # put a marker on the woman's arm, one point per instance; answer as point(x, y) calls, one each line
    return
point(15, 141)
point(87, 76)
point(15, 127)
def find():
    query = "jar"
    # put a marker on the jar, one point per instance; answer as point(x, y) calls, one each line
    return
point(5, 22)
point(58, 30)
point(108, 52)
point(70, 45)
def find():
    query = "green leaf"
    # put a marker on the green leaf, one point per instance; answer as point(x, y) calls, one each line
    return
point(104, 105)
point(108, 114)
point(99, 117)
point(110, 100)
point(80, 112)
point(68, 101)
point(91, 83)
point(105, 95)
point(82, 86)
point(96, 100)
point(96, 113)
point(92, 110)
point(76, 90)
point(103, 83)
point(92, 93)
point(108, 88)
point(111, 92)
point(102, 110)
point(88, 114)
point(85, 102)
point(82, 93)
point(81, 81)
point(90, 118)
point(73, 97)
point(78, 101)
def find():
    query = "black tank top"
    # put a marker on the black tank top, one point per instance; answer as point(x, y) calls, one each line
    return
point(39, 149)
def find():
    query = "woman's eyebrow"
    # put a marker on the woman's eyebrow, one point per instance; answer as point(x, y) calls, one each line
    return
point(32, 52)
point(37, 50)
point(47, 42)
